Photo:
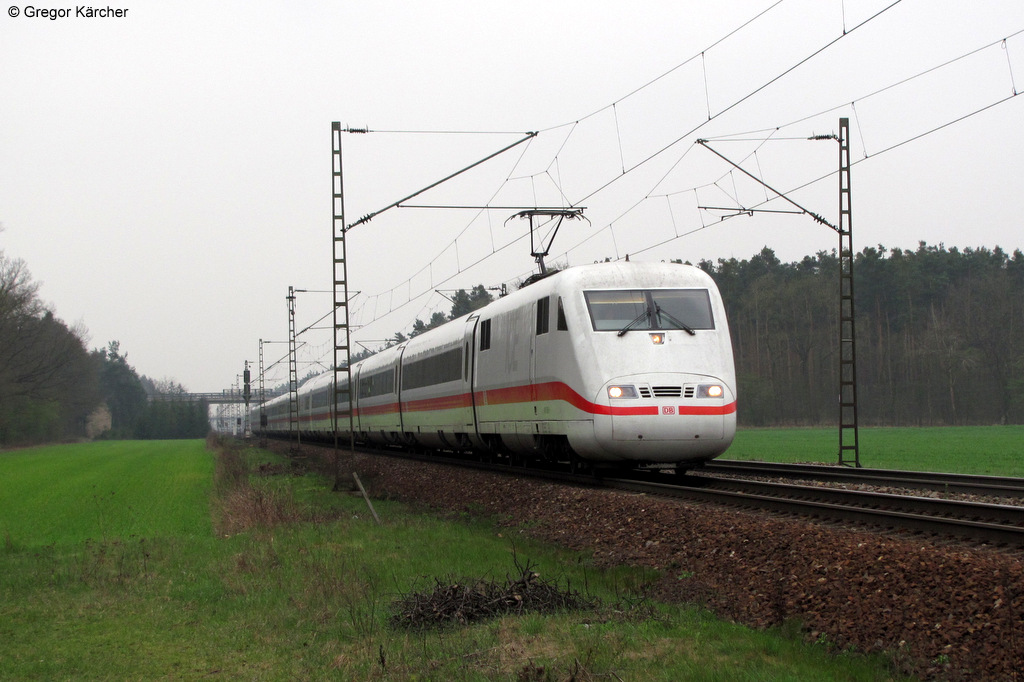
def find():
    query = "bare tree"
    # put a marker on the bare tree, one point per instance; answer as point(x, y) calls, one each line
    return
point(47, 381)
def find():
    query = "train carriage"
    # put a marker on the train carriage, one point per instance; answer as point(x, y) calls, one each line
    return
point(315, 406)
point(436, 395)
point(378, 418)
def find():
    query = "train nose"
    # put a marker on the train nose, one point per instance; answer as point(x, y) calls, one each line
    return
point(669, 408)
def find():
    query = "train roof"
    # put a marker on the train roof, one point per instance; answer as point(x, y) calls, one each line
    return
point(623, 274)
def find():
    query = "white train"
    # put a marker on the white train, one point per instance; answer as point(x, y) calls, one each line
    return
point(612, 364)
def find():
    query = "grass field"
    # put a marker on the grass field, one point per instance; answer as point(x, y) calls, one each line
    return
point(61, 495)
point(151, 560)
point(988, 450)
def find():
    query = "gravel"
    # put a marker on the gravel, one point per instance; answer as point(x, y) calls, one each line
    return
point(942, 609)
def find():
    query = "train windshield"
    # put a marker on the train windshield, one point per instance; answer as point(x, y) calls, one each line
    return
point(661, 309)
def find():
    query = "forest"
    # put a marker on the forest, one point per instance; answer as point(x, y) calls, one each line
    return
point(939, 336)
point(53, 388)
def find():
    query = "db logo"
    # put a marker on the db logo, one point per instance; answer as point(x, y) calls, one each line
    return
point(668, 410)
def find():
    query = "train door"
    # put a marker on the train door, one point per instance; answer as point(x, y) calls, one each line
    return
point(469, 371)
point(352, 404)
point(405, 435)
point(541, 343)
point(533, 351)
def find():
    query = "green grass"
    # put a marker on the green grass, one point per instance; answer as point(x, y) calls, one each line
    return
point(989, 450)
point(163, 592)
point(60, 494)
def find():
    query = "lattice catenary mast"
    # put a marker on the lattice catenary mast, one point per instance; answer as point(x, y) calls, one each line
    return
point(849, 442)
point(342, 383)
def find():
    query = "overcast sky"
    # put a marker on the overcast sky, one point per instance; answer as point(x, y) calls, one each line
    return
point(166, 174)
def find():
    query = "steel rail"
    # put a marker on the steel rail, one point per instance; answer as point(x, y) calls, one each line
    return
point(998, 524)
point(1000, 486)
point(978, 522)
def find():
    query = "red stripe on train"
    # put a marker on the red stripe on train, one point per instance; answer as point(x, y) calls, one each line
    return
point(555, 390)
point(552, 390)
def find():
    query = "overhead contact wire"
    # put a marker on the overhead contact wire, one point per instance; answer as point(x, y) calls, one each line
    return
point(852, 104)
point(744, 98)
point(711, 116)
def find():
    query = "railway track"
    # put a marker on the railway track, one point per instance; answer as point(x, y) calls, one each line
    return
point(997, 524)
point(978, 522)
point(994, 486)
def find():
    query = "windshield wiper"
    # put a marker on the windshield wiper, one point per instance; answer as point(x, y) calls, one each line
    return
point(682, 325)
point(646, 313)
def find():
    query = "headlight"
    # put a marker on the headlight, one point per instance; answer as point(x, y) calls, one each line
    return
point(657, 339)
point(710, 391)
point(617, 392)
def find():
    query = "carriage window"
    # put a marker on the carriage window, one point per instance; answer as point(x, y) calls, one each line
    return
point(650, 309)
point(485, 335)
point(562, 326)
point(380, 383)
point(433, 369)
point(543, 315)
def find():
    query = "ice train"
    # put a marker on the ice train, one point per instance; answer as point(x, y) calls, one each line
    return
point(608, 365)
